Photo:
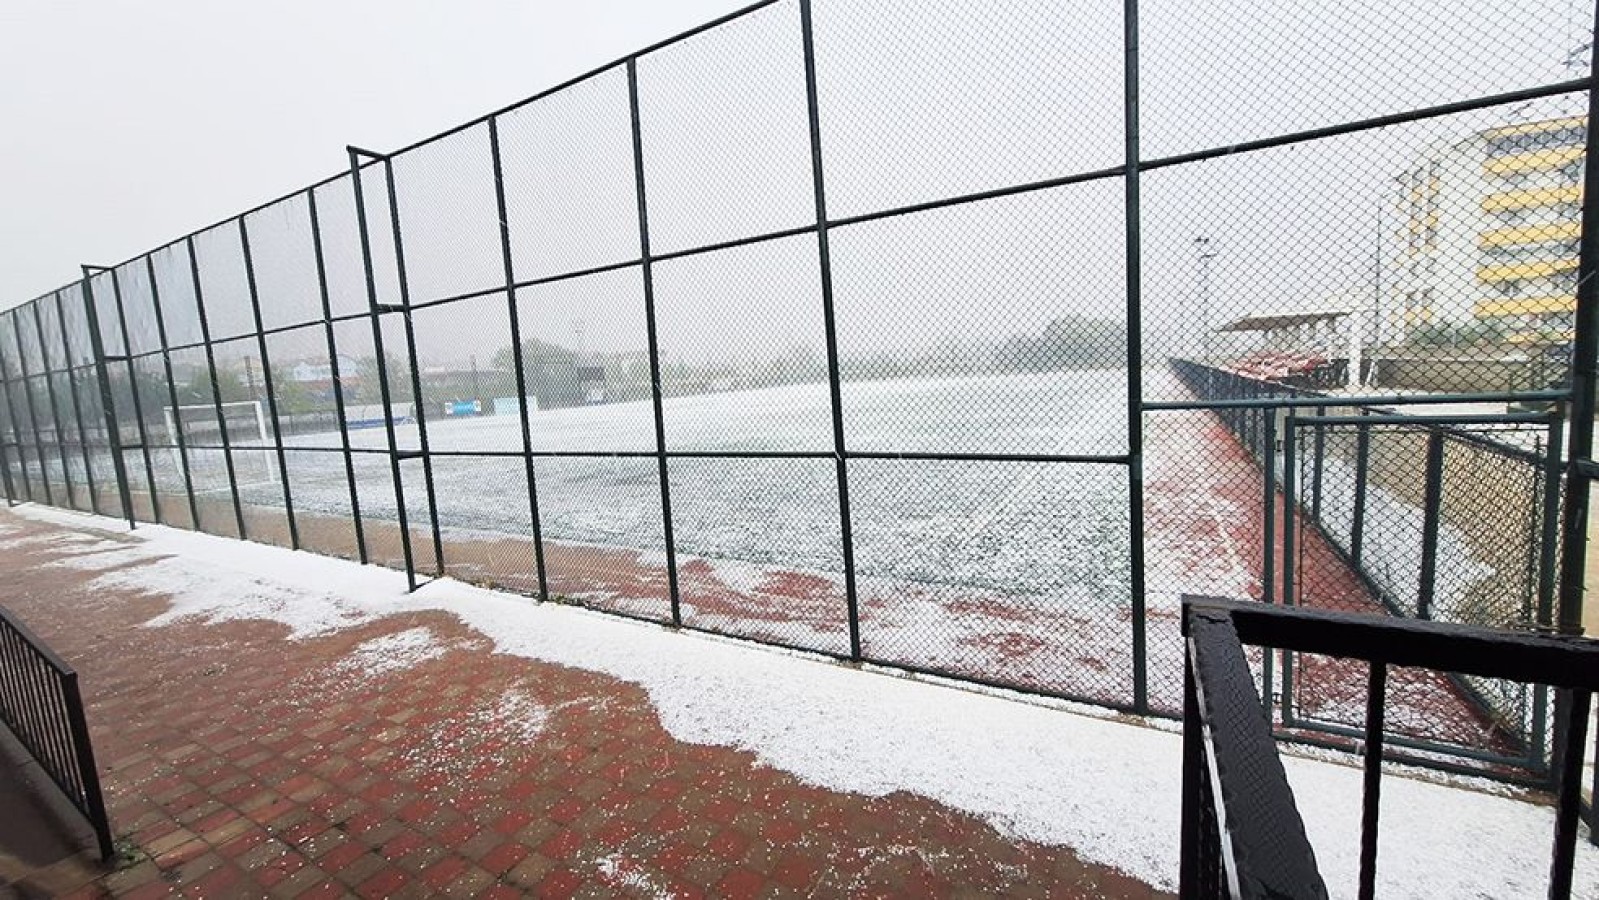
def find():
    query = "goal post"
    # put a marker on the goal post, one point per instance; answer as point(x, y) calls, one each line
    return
point(248, 435)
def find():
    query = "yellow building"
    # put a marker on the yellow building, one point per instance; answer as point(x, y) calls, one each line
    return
point(1489, 232)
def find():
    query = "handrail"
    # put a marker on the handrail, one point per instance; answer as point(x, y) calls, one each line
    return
point(1242, 836)
point(42, 706)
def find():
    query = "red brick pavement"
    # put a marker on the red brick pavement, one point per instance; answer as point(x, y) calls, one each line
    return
point(239, 763)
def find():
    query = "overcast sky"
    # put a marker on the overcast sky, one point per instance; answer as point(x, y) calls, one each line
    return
point(127, 125)
point(124, 124)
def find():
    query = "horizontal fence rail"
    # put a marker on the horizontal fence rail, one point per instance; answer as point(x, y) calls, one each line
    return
point(877, 331)
point(1242, 834)
point(42, 707)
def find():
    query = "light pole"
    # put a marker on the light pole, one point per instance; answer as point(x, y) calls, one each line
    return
point(1205, 254)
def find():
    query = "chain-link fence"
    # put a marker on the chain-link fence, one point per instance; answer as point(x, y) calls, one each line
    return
point(956, 337)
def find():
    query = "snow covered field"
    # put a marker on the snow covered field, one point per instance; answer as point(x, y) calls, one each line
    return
point(1048, 772)
point(1016, 572)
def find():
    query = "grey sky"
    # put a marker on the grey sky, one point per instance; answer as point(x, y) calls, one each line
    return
point(128, 126)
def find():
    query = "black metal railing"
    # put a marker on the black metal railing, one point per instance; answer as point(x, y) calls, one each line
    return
point(1242, 834)
point(41, 705)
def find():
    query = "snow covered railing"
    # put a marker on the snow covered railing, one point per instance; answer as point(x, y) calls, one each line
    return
point(1242, 835)
point(42, 708)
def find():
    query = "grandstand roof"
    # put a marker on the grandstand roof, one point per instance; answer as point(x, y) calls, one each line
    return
point(1274, 321)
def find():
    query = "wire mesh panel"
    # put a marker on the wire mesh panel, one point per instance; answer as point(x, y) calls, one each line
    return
point(604, 539)
point(488, 534)
point(468, 374)
point(570, 192)
point(996, 327)
point(585, 354)
point(339, 230)
point(174, 288)
point(224, 282)
point(283, 258)
point(1206, 82)
point(448, 220)
point(726, 146)
point(323, 516)
point(138, 315)
point(303, 386)
point(922, 101)
point(1373, 261)
point(733, 381)
point(733, 577)
point(1010, 572)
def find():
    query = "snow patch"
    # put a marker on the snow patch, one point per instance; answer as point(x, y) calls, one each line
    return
point(1107, 789)
point(391, 653)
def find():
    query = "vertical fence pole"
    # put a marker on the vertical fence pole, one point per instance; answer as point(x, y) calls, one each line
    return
point(1432, 496)
point(1371, 793)
point(11, 439)
point(1290, 507)
point(77, 405)
point(374, 309)
point(830, 326)
point(13, 412)
point(50, 397)
point(1568, 799)
point(1268, 466)
point(216, 389)
point(93, 799)
point(1357, 527)
point(1543, 614)
point(172, 394)
point(337, 375)
point(1133, 223)
point(649, 322)
point(266, 380)
point(1319, 454)
point(138, 402)
point(1584, 356)
point(517, 361)
point(33, 413)
point(418, 407)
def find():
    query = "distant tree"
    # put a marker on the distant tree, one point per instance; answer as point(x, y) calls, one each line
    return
point(549, 370)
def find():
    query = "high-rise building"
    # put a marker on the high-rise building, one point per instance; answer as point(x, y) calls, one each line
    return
point(1488, 235)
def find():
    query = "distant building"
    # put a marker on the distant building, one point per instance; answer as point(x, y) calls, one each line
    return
point(1488, 234)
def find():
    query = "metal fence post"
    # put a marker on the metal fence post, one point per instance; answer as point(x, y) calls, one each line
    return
point(172, 394)
point(648, 274)
point(50, 396)
point(32, 411)
point(374, 309)
point(1432, 496)
point(1268, 457)
point(11, 440)
point(216, 389)
point(266, 380)
point(1133, 215)
point(337, 375)
point(15, 413)
point(1289, 482)
point(77, 406)
point(1319, 452)
point(830, 326)
point(1357, 527)
point(418, 406)
point(138, 402)
point(517, 361)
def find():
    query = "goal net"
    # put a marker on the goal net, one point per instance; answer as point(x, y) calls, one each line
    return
point(248, 434)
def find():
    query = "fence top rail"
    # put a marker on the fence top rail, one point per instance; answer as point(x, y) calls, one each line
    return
point(1269, 852)
point(1424, 420)
point(1565, 661)
point(10, 621)
point(1291, 396)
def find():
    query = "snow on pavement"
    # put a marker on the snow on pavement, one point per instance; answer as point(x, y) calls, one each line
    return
point(1036, 771)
